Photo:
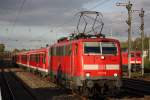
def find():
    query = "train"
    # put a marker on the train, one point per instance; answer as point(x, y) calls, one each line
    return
point(86, 62)
point(82, 63)
point(136, 60)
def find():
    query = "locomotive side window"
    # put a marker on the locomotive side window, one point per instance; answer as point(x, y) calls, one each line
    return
point(61, 51)
point(57, 51)
point(109, 48)
point(44, 58)
point(67, 47)
point(64, 50)
point(92, 47)
point(76, 49)
point(54, 51)
point(68, 50)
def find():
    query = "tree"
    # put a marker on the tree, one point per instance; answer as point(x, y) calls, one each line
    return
point(136, 44)
point(15, 50)
point(124, 45)
point(2, 47)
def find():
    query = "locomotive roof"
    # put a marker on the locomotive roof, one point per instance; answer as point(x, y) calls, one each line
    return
point(85, 39)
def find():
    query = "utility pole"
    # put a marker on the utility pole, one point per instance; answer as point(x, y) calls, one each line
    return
point(149, 47)
point(129, 8)
point(142, 37)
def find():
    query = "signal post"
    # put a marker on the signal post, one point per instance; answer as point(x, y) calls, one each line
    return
point(142, 37)
point(129, 8)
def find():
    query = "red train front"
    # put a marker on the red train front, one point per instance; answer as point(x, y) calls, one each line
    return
point(86, 62)
point(136, 60)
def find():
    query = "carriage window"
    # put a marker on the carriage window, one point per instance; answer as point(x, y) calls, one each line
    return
point(24, 58)
point(132, 54)
point(37, 58)
point(92, 47)
point(138, 55)
point(109, 48)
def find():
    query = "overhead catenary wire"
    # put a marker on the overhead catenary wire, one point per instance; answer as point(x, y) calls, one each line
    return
point(99, 4)
point(18, 14)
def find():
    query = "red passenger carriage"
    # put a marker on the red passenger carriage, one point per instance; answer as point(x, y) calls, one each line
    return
point(35, 59)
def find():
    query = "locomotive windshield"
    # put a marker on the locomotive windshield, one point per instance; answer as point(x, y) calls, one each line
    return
point(92, 47)
point(108, 48)
point(100, 48)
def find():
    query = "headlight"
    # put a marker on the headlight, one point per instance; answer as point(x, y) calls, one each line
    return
point(115, 74)
point(102, 57)
point(87, 74)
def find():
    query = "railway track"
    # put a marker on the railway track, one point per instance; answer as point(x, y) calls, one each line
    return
point(138, 87)
point(13, 88)
point(6, 91)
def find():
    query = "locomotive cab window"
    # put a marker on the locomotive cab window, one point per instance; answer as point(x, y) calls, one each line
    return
point(100, 48)
point(92, 47)
point(109, 48)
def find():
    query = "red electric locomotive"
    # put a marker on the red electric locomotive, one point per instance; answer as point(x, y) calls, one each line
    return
point(136, 60)
point(86, 62)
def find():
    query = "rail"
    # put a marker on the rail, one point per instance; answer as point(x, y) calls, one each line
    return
point(7, 86)
point(16, 88)
point(139, 86)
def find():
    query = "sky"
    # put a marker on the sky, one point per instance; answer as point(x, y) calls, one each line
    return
point(32, 24)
